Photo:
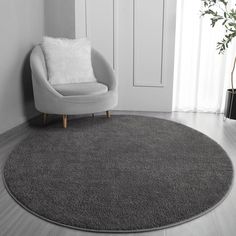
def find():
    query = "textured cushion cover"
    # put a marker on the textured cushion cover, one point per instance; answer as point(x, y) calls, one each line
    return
point(92, 88)
point(68, 61)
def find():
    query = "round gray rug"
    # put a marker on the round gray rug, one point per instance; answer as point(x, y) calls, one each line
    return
point(123, 174)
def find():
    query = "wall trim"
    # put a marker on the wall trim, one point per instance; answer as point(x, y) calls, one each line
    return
point(86, 18)
point(114, 28)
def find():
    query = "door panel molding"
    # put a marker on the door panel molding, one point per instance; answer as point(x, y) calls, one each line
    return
point(160, 80)
point(113, 40)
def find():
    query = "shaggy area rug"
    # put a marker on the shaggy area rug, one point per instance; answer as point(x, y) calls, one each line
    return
point(123, 174)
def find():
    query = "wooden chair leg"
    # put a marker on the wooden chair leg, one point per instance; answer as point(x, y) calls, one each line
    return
point(65, 121)
point(108, 113)
point(44, 118)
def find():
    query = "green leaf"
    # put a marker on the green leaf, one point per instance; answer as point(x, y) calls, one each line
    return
point(217, 11)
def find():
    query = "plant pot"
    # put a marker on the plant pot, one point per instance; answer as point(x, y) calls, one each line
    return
point(230, 105)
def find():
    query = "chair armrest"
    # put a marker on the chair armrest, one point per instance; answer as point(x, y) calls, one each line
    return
point(39, 74)
point(103, 71)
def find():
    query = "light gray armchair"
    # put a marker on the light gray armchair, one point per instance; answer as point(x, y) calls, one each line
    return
point(73, 99)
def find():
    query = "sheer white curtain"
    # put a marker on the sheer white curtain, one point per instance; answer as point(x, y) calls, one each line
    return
point(201, 74)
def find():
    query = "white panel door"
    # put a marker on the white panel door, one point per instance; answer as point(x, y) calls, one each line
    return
point(100, 26)
point(148, 42)
point(145, 46)
point(137, 38)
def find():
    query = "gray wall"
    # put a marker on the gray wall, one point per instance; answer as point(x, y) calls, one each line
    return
point(21, 27)
point(60, 18)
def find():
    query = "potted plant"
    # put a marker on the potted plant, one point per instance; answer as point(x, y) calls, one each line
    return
point(220, 11)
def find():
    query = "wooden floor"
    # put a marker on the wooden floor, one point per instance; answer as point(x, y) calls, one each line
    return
point(16, 221)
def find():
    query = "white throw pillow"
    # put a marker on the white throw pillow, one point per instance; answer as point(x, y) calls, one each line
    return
point(68, 60)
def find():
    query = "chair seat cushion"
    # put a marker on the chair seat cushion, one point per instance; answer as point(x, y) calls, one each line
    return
point(90, 88)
